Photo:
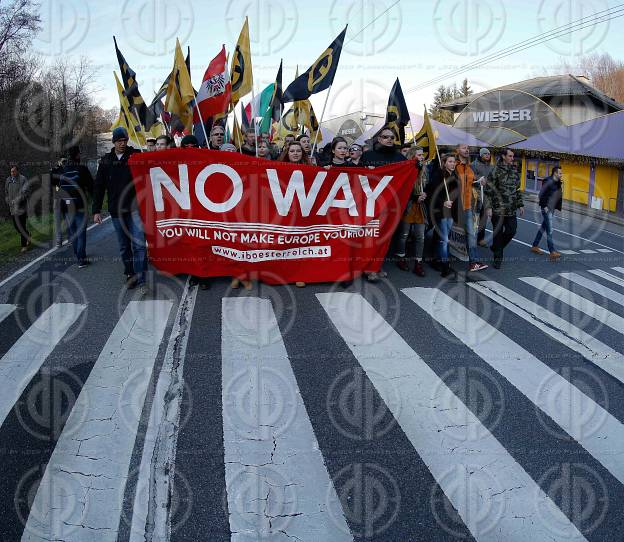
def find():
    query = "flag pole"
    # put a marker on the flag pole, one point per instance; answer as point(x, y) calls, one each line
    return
point(201, 121)
point(136, 113)
point(321, 121)
point(253, 118)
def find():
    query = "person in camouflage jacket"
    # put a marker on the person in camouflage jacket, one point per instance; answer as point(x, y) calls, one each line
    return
point(502, 200)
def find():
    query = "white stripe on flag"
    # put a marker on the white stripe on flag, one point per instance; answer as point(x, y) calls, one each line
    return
point(506, 497)
point(276, 479)
point(559, 329)
point(581, 417)
point(577, 302)
point(27, 355)
point(80, 496)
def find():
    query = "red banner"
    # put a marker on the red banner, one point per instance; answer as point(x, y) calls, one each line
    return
point(211, 213)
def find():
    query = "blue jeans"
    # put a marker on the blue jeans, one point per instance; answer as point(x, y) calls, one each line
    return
point(547, 226)
point(471, 236)
point(77, 233)
point(445, 226)
point(131, 239)
point(419, 239)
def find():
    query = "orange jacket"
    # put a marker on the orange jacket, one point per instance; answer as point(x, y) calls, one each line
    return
point(466, 177)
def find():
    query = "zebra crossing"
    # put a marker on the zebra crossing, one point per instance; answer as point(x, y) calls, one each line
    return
point(281, 482)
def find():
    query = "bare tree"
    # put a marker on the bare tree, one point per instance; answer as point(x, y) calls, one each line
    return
point(605, 73)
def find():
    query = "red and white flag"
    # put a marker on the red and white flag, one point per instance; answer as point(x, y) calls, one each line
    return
point(214, 94)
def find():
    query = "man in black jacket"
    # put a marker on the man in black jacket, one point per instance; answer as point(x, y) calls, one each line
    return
point(115, 178)
point(549, 200)
point(383, 152)
point(74, 183)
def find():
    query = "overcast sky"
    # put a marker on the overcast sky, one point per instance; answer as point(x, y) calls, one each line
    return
point(415, 40)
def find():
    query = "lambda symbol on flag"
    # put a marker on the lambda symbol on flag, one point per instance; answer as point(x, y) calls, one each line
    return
point(239, 70)
point(320, 69)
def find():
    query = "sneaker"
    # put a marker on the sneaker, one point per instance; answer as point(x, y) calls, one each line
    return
point(477, 266)
point(419, 269)
point(537, 250)
point(402, 263)
point(143, 289)
point(372, 277)
point(24, 249)
point(482, 243)
point(300, 284)
point(84, 263)
point(131, 282)
point(235, 284)
point(554, 255)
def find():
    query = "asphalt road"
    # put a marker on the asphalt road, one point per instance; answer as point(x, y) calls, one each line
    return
point(486, 407)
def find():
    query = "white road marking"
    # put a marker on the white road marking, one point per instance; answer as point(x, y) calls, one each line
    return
point(5, 310)
point(27, 355)
point(596, 287)
point(568, 252)
point(605, 250)
point(579, 415)
point(577, 302)
point(39, 258)
point(81, 493)
point(588, 251)
point(153, 491)
point(501, 502)
point(607, 276)
point(618, 269)
point(574, 235)
point(559, 329)
point(276, 479)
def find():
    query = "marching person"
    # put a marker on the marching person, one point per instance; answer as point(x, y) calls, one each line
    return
point(405, 148)
point(163, 142)
point(383, 152)
point(189, 142)
point(471, 203)
point(75, 184)
point(264, 150)
point(443, 199)
point(413, 220)
point(114, 179)
point(503, 200)
point(550, 197)
point(249, 146)
point(482, 167)
point(355, 154)
point(294, 153)
point(339, 153)
point(150, 144)
point(217, 137)
point(17, 190)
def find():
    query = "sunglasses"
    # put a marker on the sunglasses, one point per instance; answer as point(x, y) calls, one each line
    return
point(355, 149)
point(387, 136)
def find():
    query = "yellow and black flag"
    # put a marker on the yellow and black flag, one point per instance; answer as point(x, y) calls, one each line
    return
point(241, 72)
point(307, 119)
point(319, 76)
point(397, 115)
point(426, 139)
point(126, 118)
point(157, 106)
point(180, 92)
point(131, 91)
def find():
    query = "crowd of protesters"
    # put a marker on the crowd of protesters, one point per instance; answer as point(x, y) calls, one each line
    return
point(450, 193)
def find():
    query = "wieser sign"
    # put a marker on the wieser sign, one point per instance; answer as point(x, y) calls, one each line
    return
point(504, 115)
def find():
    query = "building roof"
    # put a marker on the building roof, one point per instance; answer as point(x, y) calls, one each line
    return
point(445, 134)
point(598, 138)
point(546, 87)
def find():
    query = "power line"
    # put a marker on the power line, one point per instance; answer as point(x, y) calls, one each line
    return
point(574, 26)
point(374, 20)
